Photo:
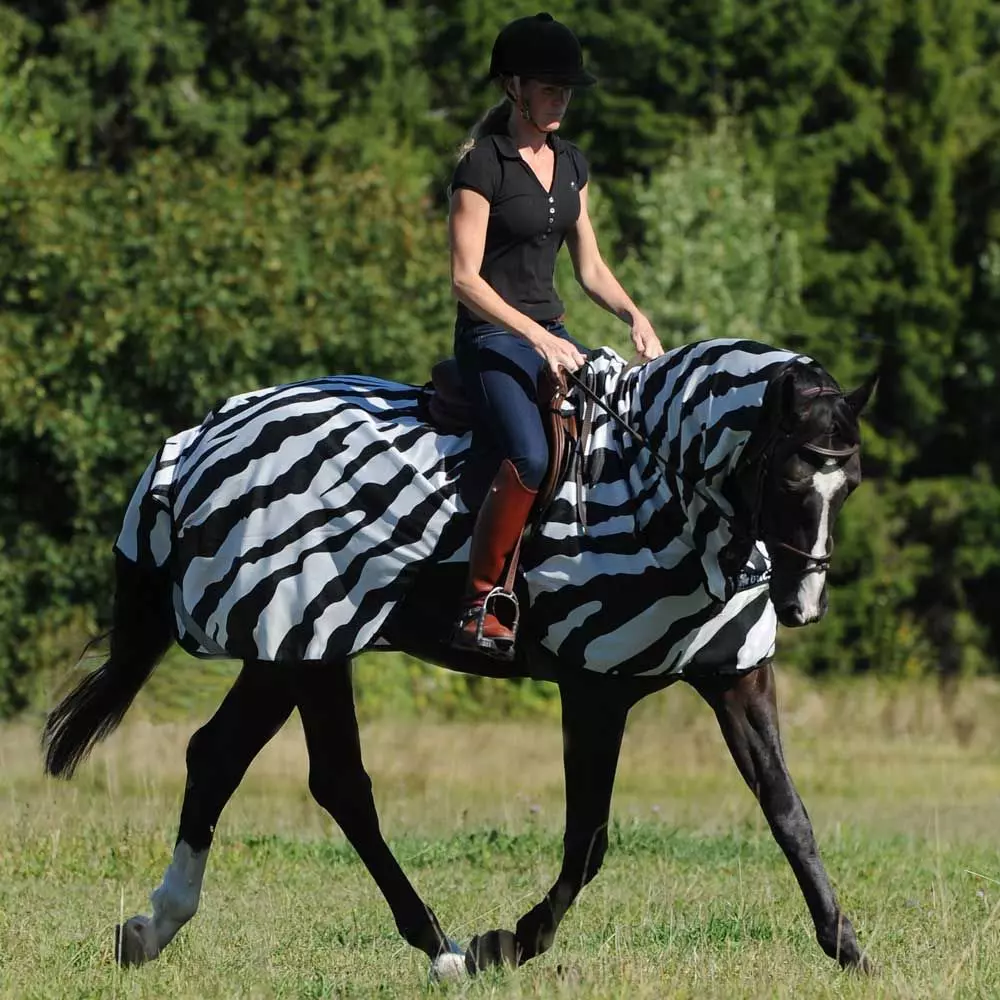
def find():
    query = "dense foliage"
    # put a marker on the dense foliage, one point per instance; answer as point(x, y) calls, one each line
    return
point(200, 199)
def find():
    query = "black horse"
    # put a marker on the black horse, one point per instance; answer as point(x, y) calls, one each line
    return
point(798, 462)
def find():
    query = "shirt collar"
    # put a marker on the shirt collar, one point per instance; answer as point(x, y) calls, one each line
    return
point(508, 150)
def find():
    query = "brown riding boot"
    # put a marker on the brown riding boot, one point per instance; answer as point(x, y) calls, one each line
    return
point(498, 528)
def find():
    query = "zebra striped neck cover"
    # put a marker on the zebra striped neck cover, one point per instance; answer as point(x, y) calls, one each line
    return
point(295, 519)
point(649, 560)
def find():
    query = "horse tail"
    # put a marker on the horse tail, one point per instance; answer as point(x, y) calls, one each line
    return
point(141, 632)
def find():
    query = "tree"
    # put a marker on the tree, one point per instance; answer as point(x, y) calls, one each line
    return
point(133, 304)
point(713, 260)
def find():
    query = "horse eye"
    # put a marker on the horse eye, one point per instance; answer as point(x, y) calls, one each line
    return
point(794, 485)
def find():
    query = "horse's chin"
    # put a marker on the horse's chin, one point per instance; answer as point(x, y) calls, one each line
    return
point(792, 616)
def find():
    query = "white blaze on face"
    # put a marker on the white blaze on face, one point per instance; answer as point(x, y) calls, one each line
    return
point(827, 483)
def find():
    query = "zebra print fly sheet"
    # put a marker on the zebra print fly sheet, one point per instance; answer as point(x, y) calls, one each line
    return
point(295, 518)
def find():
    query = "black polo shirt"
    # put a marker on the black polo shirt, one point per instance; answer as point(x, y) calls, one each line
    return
point(527, 224)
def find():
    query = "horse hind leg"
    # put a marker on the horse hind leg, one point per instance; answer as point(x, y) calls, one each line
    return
point(218, 756)
point(594, 714)
point(340, 784)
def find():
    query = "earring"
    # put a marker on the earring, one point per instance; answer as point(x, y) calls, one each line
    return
point(525, 110)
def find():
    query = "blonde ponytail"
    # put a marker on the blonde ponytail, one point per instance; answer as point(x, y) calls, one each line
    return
point(494, 122)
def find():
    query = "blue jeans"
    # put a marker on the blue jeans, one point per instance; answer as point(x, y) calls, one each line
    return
point(500, 376)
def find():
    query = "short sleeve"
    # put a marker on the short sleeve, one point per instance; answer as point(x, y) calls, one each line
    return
point(478, 170)
point(580, 165)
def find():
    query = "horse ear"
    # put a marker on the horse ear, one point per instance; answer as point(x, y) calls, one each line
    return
point(778, 411)
point(789, 407)
point(858, 398)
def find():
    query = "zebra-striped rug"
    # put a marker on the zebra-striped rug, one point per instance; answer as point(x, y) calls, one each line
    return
point(295, 518)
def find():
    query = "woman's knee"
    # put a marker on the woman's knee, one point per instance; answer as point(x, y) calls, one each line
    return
point(532, 464)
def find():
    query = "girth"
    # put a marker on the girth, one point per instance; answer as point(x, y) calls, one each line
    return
point(449, 410)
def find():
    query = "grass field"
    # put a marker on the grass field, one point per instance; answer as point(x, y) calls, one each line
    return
point(694, 899)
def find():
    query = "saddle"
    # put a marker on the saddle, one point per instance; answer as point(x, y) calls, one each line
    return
point(449, 411)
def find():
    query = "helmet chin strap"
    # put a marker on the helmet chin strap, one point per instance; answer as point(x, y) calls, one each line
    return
point(526, 115)
point(521, 103)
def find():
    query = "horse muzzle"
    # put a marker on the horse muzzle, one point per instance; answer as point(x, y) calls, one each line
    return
point(794, 611)
point(792, 616)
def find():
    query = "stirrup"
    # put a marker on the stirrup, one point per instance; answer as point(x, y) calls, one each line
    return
point(500, 649)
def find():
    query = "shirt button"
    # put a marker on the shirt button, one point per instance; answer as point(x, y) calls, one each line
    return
point(552, 211)
point(551, 198)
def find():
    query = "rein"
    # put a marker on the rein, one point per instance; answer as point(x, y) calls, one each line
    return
point(644, 441)
point(818, 561)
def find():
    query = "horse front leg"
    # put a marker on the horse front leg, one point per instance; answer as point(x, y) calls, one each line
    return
point(746, 707)
point(593, 721)
point(218, 756)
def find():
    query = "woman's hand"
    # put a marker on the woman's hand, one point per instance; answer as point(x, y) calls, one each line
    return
point(559, 353)
point(644, 338)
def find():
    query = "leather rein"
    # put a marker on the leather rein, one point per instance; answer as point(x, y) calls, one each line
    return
point(812, 561)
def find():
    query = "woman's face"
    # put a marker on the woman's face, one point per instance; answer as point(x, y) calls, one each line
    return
point(547, 103)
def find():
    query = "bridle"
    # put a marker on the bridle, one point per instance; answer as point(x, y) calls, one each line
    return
point(764, 456)
point(812, 561)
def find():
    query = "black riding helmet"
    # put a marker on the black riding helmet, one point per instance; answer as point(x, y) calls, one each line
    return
point(540, 48)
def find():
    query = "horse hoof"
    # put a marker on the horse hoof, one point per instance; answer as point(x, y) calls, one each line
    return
point(448, 968)
point(134, 942)
point(497, 947)
point(864, 966)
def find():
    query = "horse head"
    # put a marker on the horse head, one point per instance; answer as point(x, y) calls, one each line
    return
point(798, 470)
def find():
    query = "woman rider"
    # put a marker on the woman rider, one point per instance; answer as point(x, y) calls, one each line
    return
point(518, 193)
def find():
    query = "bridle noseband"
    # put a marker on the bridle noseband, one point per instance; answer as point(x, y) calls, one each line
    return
point(765, 455)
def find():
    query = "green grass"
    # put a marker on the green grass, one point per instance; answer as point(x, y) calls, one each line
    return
point(694, 900)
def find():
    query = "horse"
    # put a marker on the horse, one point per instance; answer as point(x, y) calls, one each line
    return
point(302, 524)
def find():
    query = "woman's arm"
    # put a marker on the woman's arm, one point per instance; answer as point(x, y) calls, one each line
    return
point(602, 286)
point(470, 213)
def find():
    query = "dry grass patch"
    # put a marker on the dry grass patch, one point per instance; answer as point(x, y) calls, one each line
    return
point(694, 901)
